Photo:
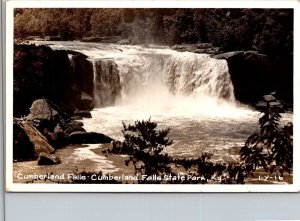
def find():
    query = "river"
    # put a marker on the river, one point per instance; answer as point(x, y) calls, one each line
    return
point(190, 93)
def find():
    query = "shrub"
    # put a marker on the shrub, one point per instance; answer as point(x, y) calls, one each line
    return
point(144, 144)
point(272, 147)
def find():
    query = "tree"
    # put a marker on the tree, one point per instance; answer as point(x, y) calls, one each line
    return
point(144, 144)
point(272, 147)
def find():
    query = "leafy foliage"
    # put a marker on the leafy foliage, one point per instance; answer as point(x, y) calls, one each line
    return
point(272, 147)
point(145, 145)
point(268, 31)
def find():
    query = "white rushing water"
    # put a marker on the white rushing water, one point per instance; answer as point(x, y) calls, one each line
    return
point(191, 93)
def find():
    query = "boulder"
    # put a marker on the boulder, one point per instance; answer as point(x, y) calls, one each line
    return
point(57, 138)
point(39, 142)
point(74, 126)
point(48, 159)
point(58, 75)
point(42, 110)
point(88, 138)
point(23, 149)
point(85, 114)
point(254, 74)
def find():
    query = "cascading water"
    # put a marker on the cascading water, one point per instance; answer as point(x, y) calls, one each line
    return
point(180, 74)
point(191, 93)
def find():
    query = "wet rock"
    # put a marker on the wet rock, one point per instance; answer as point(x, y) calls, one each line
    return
point(74, 126)
point(270, 101)
point(38, 140)
point(23, 149)
point(107, 83)
point(85, 114)
point(269, 98)
point(57, 138)
point(227, 55)
point(58, 75)
point(48, 159)
point(206, 48)
point(254, 75)
point(76, 118)
point(88, 138)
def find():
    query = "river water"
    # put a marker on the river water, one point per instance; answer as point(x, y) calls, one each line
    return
point(190, 93)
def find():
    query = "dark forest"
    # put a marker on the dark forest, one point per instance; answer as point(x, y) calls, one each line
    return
point(268, 31)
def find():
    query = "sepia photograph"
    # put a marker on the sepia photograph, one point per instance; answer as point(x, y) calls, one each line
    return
point(197, 99)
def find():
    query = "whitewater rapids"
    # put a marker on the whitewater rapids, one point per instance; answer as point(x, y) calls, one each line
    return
point(190, 93)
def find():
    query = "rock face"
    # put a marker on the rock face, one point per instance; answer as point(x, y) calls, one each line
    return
point(206, 48)
point(47, 127)
point(30, 144)
point(61, 76)
point(39, 142)
point(23, 149)
point(81, 87)
point(107, 82)
point(85, 114)
point(54, 121)
point(254, 75)
point(41, 109)
point(74, 126)
point(88, 138)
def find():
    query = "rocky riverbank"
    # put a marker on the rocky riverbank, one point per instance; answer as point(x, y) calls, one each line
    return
point(49, 127)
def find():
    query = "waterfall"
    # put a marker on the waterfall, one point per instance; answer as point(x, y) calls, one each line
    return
point(106, 82)
point(126, 74)
point(150, 74)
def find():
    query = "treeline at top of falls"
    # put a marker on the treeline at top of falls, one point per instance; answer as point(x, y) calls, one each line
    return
point(268, 31)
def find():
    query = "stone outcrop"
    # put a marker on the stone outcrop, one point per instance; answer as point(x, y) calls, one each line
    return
point(55, 122)
point(58, 75)
point(47, 127)
point(30, 144)
point(38, 140)
point(23, 149)
point(41, 110)
point(88, 138)
point(206, 48)
point(254, 75)
point(107, 84)
point(85, 114)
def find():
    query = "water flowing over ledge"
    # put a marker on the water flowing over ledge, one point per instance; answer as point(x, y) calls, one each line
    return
point(192, 93)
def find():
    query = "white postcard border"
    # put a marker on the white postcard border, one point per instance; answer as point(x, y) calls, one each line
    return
point(16, 187)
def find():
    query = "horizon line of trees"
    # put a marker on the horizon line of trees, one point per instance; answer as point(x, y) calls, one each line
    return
point(268, 31)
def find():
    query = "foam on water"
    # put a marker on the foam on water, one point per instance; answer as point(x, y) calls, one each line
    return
point(191, 93)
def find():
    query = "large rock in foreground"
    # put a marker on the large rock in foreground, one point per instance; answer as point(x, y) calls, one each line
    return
point(42, 110)
point(30, 144)
point(88, 138)
point(23, 149)
point(39, 142)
